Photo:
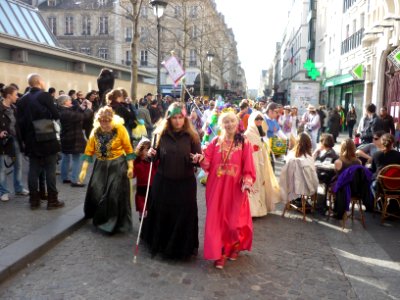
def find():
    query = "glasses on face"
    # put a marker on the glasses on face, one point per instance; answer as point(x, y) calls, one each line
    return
point(259, 119)
point(376, 138)
point(104, 120)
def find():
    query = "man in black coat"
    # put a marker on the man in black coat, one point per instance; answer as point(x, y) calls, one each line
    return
point(38, 105)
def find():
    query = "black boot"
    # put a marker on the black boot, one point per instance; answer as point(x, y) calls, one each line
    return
point(34, 199)
point(52, 201)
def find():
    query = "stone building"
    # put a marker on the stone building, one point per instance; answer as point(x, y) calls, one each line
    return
point(190, 28)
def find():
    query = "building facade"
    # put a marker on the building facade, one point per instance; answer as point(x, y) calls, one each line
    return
point(190, 28)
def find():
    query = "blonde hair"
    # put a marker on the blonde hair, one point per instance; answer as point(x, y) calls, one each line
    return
point(303, 145)
point(347, 150)
point(225, 115)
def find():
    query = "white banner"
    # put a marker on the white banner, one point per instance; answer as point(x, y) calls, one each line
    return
point(174, 69)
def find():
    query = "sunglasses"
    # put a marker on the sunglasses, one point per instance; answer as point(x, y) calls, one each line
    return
point(259, 119)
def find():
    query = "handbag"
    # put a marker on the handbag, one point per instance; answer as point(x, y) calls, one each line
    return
point(44, 130)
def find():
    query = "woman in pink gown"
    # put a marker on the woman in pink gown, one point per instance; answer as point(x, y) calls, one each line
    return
point(229, 162)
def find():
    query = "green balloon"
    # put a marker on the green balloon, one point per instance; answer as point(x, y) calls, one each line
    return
point(214, 119)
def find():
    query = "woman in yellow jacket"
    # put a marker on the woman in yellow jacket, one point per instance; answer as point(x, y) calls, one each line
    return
point(107, 196)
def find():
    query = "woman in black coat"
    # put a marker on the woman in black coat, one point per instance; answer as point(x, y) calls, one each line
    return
point(334, 123)
point(72, 139)
point(115, 100)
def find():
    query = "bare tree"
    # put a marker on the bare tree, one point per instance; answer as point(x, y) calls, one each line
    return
point(131, 9)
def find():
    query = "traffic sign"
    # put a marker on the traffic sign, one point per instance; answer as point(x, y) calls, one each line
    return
point(394, 57)
point(358, 72)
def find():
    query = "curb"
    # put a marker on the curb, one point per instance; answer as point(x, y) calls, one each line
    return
point(19, 254)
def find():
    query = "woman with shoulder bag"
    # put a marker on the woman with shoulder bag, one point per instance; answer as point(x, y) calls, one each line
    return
point(351, 120)
point(9, 143)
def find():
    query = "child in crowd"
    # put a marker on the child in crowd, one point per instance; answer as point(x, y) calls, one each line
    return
point(357, 140)
point(141, 172)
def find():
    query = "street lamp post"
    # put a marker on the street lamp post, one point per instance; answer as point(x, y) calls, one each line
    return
point(158, 7)
point(210, 57)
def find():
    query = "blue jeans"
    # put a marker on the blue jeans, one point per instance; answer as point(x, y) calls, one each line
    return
point(76, 166)
point(17, 170)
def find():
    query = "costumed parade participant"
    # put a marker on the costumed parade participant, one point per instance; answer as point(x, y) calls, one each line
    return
point(229, 162)
point(171, 225)
point(266, 188)
point(141, 172)
point(107, 196)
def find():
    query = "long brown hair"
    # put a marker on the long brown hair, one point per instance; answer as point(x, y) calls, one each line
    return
point(348, 150)
point(303, 145)
point(112, 97)
point(166, 126)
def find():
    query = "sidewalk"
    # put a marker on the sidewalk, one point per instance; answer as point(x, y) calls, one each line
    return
point(23, 232)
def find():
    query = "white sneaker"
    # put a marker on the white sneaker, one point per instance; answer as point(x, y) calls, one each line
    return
point(4, 197)
point(24, 192)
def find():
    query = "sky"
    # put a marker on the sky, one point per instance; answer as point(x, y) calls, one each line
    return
point(257, 25)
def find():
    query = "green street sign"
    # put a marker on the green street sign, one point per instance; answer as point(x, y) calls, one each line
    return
point(397, 57)
point(394, 57)
point(312, 71)
point(308, 65)
point(358, 72)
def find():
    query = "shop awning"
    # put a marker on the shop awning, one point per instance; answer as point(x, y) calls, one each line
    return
point(337, 80)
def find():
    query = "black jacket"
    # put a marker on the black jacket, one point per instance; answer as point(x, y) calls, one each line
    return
point(6, 144)
point(174, 155)
point(36, 105)
point(72, 139)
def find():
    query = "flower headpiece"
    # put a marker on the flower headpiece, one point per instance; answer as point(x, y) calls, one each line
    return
point(174, 110)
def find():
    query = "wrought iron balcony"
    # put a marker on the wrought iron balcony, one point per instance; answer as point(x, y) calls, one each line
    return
point(352, 41)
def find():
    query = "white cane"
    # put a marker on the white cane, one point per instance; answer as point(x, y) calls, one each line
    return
point(145, 203)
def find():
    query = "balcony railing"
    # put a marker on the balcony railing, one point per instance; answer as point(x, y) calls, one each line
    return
point(352, 41)
point(192, 63)
point(143, 63)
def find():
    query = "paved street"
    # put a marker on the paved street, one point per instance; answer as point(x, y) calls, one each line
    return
point(291, 259)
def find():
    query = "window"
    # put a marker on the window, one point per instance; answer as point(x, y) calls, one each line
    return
point(128, 57)
point(102, 2)
point(86, 25)
point(86, 50)
point(52, 21)
point(347, 31)
point(69, 25)
point(178, 11)
point(103, 53)
point(143, 34)
point(143, 57)
point(144, 12)
point(51, 2)
point(103, 29)
point(128, 34)
point(362, 17)
point(354, 25)
point(193, 11)
point(193, 58)
point(194, 34)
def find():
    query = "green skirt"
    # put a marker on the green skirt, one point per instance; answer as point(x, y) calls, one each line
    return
point(107, 197)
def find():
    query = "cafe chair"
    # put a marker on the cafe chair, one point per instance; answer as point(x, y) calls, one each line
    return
point(303, 208)
point(388, 189)
point(357, 181)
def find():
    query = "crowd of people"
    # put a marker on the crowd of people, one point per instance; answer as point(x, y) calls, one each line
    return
point(234, 146)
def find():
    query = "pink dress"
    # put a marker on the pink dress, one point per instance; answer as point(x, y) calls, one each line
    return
point(228, 219)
